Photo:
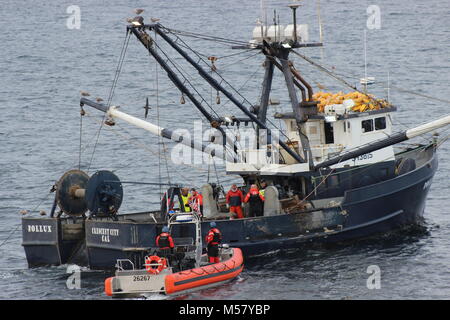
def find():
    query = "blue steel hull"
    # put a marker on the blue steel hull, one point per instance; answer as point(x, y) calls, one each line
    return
point(364, 212)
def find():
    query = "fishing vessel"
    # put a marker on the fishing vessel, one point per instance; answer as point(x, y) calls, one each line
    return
point(186, 270)
point(331, 170)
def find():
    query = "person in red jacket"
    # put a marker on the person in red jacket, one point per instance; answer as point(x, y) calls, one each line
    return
point(234, 200)
point(255, 200)
point(196, 201)
point(213, 239)
point(165, 242)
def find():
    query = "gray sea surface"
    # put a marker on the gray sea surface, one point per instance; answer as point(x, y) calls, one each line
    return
point(44, 65)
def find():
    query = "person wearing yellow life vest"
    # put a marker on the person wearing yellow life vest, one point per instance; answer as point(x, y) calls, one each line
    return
point(185, 195)
point(263, 187)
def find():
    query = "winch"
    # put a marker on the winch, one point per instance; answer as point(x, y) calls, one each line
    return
point(101, 194)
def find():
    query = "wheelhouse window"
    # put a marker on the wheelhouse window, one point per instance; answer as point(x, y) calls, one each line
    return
point(367, 125)
point(380, 123)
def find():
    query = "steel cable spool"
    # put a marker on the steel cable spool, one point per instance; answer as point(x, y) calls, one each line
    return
point(104, 194)
point(70, 192)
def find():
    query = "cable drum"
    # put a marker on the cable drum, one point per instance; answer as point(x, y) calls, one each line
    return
point(70, 192)
point(104, 194)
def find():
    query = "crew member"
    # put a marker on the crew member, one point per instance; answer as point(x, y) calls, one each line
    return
point(234, 200)
point(165, 242)
point(263, 187)
point(255, 200)
point(196, 201)
point(262, 191)
point(185, 195)
point(213, 239)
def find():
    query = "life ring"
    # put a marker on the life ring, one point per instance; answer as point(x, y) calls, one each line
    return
point(155, 264)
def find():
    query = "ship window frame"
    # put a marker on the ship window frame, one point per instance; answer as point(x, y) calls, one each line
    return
point(383, 123)
point(363, 128)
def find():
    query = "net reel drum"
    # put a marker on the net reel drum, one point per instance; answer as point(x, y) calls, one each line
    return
point(101, 194)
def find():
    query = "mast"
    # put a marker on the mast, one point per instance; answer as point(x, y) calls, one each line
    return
point(267, 86)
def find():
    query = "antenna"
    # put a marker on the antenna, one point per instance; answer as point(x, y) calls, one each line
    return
point(366, 80)
point(388, 84)
point(365, 59)
point(266, 21)
point(261, 19)
point(294, 7)
point(275, 22)
point(320, 21)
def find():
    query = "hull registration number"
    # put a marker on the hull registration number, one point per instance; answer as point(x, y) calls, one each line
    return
point(141, 278)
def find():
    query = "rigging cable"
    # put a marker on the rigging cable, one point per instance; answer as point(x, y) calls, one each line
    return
point(17, 227)
point(184, 75)
point(226, 82)
point(354, 76)
point(204, 37)
point(81, 131)
point(331, 74)
point(157, 121)
point(111, 92)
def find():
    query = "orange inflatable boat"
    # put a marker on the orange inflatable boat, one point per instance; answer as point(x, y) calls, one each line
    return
point(158, 277)
point(208, 275)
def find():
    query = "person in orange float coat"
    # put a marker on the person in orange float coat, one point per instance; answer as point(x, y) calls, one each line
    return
point(255, 200)
point(213, 239)
point(235, 198)
point(165, 242)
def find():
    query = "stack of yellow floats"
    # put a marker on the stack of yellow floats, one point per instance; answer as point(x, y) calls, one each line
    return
point(363, 102)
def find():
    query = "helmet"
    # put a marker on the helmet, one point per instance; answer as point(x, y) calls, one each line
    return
point(165, 229)
point(212, 224)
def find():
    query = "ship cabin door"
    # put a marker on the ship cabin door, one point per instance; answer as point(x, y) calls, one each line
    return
point(329, 134)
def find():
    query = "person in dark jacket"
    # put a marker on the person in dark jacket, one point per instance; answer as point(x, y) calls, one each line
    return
point(213, 239)
point(165, 242)
point(234, 199)
point(255, 200)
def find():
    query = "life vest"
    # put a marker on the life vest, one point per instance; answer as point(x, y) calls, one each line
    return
point(262, 192)
point(164, 241)
point(185, 204)
point(214, 237)
point(254, 196)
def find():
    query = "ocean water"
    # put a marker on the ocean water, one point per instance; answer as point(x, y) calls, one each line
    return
point(44, 64)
